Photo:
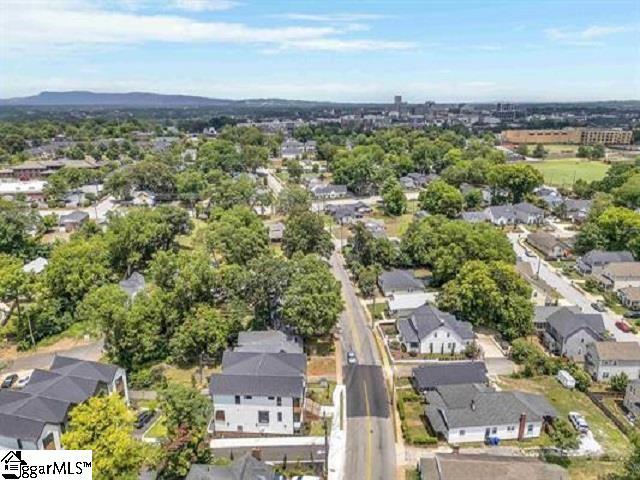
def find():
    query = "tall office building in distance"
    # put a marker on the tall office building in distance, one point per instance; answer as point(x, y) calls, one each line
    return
point(397, 103)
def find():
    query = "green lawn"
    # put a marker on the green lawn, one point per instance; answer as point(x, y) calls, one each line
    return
point(564, 401)
point(564, 172)
point(158, 430)
point(320, 394)
point(380, 308)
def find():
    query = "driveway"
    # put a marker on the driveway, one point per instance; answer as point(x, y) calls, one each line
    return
point(89, 351)
point(564, 287)
point(497, 363)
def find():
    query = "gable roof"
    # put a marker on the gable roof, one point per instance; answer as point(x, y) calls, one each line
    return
point(427, 318)
point(542, 313)
point(399, 280)
point(73, 217)
point(449, 373)
point(26, 405)
point(60, 387)
point(245, 467)
point(103, 372)
point(268, 341)
point(622, 269)
point(565, 323)
point(601, 257)
point(627, 351)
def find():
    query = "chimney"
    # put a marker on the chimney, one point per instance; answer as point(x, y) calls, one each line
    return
point(523, 421)
point(473, 405)
point(257, 454)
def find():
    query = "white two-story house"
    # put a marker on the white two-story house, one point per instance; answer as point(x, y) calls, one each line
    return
point(606, 359)
point(259, 392)
point(431, 331)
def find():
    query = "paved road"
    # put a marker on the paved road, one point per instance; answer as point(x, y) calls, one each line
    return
point(370, 437)
point(572, 294)
point(89, 351)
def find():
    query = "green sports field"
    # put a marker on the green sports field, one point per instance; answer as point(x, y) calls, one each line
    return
point(564, 172)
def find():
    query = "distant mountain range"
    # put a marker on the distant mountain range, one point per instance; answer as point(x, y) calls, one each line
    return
point(140, 99)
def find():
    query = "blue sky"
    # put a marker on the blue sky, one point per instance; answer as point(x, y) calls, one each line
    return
point(325, 50)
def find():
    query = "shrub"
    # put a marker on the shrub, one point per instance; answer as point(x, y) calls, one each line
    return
point(419, 438)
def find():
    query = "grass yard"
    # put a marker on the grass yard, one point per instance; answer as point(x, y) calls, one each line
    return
point(320, 394)
point(158, 430)
point(564, 401)
point(556, 149)
point(185, 376)
point(411, 410)
point(379, 309)
point(586, 469)
point(564, 172)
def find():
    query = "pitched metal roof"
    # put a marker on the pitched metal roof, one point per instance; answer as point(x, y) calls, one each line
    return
point(449, 373)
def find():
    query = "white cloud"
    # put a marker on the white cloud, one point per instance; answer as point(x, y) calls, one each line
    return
point(331, 17)
point(31, 26)
point(204, 5)
point(590, 36)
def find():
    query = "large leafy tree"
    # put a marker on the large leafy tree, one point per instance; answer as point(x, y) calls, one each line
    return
point(16, 221)
point(313, 301)
point(305, 233)
point(564, 436)
point(267, 285)
point(490, 294)
point(615, 228)
point(104, 425)
point(15, 287)
point(441, 198)
point(393, 197)
point(294, 199)
point(518, 179)
point(237, 235)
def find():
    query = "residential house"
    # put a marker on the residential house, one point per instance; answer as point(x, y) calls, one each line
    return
point(430, 376)
point(632, 398)
point(329, 191)
point(508, 214)
point(36, 266)
point(595, 260)
point(576, 210)
point(32, 190)
point(407, 183)
point(606, 359)
point(393, 282)
point(268, 341)
point(258, 392)
point(473, 412)
point(568, 333)
point(35, 417)
point(402, 305)
point(343, 214)
point(541, 313)
point(430, 330)
point(291, 149)
point(619, 275)
point(74, 220)
point(276, 231)
point(246, 467)
point(485, 466)
point(133, 284)
point(475, 217)
point(630, 297)
point(551, 247)
point(143, 198)
point(376, 229)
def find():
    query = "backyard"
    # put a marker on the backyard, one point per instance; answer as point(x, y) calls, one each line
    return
point(564, 401)
point(565, 171)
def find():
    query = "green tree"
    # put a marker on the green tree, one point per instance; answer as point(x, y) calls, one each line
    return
point(368, 280)
point(191, 186)
point(523, 149)
point(491, 294)
point(619, 382)
point(473, 198)
point(304, 232)
point(628, 195)
point(16, 222)
point(583, 151)
point(267, 285)
point(15, 287)
point(393, 197)
point(295, 170)
point(313, 301)
point(518, 179)
point(104, 425)
point(539, 151)
point(597, 152)
point(564, 436)
point(294, 199)
point(441, 198)
point(238, 235)
point(631, 468)
point(184, 407)
point(204, 331)
point(104, 306)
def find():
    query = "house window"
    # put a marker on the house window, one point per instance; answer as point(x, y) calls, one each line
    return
point(237, 399)
point(494, 430)
point(271, 398)
point(248, 397)
point(605, 374)
point(279, 401)
point(461, 433)
point(263, 417)
point(220, 416)
point(510, 428)
point(280, 416)
point(239, 428)
point(530, 428)
point(48, 443)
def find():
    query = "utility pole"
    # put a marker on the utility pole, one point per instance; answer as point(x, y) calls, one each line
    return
point(326, 447)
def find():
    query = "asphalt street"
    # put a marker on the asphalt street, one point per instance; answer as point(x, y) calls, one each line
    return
point(370, 437)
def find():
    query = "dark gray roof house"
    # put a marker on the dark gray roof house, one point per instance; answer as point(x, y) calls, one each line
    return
point(133, 285)
point(74, 218)
point(474, 217)
point(261, 374)
point(268, 341)
point(432, 375)
point(541, 313)
point(399, 281)
point(567, 333)
point(246, 467)
point(595, 260)
point(426, 319)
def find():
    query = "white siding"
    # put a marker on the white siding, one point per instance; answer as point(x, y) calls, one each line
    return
point(245, 414)
point(441, 341)
point(503, 432)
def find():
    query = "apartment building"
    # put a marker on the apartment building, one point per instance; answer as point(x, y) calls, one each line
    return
point(576, 136)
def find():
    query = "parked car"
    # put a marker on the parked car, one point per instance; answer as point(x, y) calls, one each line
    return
point(9, 380)
point(632, 314)
point(623, 326)
point(144, 417)
point(578, 421)
point(599, 306)
point(22, 382)
point(351, 358)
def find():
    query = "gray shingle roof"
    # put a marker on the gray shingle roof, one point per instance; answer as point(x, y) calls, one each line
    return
point(26, 405)
point(542, 313)
point(266, 374)
point(565, 323)
point(103, 372)
point(449, 373)
point(427, 318)
point(133, 285)
point(474, 217)
point(268, 341)
point(603, 257)
point(60, 387)
point(459, 406)
point(399, 280)
point(12, 426)
point(74, 217)
point(244, 468)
